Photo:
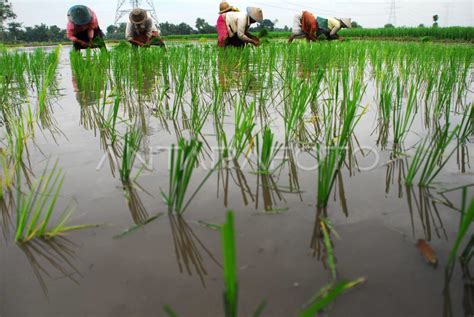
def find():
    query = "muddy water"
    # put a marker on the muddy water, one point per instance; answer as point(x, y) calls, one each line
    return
point(176, 262)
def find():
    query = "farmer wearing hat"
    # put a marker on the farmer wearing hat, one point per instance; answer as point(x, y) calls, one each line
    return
point(141, 30)
point(238, 24)
point(222, 33)
point(83, 28)
point(330, 27)
point(304, 26)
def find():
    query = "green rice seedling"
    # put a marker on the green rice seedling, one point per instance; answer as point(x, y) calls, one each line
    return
point(180, 83)
point(229, 253)
point(337, 139)
point(327, 295)
point(244, 124)
point(132, 141)
point(445, 90)
point(7, 176)
point(17, 141)
point(325, 229)
point(267, 150)
point(230, 267)
point(34, 210)
point(47, 84)
point(385, 109)
point(169, 311)
point(301, 93)
point(137, 226)
point(199, 117)
point(403, 117)
point(90, 72)
point(467, 219)
point(465, 131)
point(183, 160)
point(430, 157)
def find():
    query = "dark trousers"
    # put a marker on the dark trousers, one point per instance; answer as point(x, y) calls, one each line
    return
point(84, 36)
point(235, 41)
point(327, 34)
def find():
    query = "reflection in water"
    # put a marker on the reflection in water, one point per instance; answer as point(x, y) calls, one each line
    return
point(424, 204)
point(322, 244)
point(339, 183)
point(135, 204)
point(462, 157)
point(188, 248)
point(268, 189)
point(238, 177)
point(396, 170)
point(7, 205)
point(47, 256)
point(468, 282)
point(468, 298)
point(293, 179)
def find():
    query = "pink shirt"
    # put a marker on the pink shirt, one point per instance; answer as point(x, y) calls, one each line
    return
point(73, 29)
point(222, 32)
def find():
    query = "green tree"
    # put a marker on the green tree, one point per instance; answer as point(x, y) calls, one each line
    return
point(435, 20)
point(389, 26)
point(6, 13)
point(266, 24)
point(203, 27)
point(14, 30)
point(116, 32)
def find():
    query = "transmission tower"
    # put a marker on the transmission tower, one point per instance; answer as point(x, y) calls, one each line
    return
point(392, 16)
point(124, 7)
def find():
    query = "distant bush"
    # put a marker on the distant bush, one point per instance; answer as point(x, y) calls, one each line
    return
point(449, 33)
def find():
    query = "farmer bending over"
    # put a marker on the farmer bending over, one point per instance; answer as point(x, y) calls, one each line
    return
point(83, 28)
point(222, 32)
point(238, 24)
point(304, 26)
point(141, 30)
point(330, 27)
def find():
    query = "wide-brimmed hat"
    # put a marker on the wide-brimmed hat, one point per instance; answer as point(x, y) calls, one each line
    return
point(255, 13)
point(347, 22)
point(79, 15)
point(224, 7)
point(138, 16)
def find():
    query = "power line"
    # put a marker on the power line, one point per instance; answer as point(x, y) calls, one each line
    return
point(392, 17)
point(147, 5)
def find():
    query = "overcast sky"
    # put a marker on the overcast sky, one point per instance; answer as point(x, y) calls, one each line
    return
point(368, 13)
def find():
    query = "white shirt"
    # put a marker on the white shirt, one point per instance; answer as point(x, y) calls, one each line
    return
point(238, 23)
point(147, 26)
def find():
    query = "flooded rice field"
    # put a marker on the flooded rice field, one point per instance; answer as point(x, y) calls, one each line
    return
point(347, 168)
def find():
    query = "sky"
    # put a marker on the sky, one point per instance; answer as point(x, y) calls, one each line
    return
point(368, 13)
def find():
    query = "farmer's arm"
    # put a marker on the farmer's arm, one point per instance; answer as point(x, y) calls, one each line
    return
point(93, 25)
point(242, 30)
point(151, 28)
point(70, 35)
point(335, 26)
point(129, 35)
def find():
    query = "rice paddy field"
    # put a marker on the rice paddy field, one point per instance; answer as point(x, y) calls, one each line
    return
point(325, 179)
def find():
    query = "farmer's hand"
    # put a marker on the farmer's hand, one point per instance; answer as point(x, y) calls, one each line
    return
point(341, 39)
point(256, 42)
point(82, 43)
